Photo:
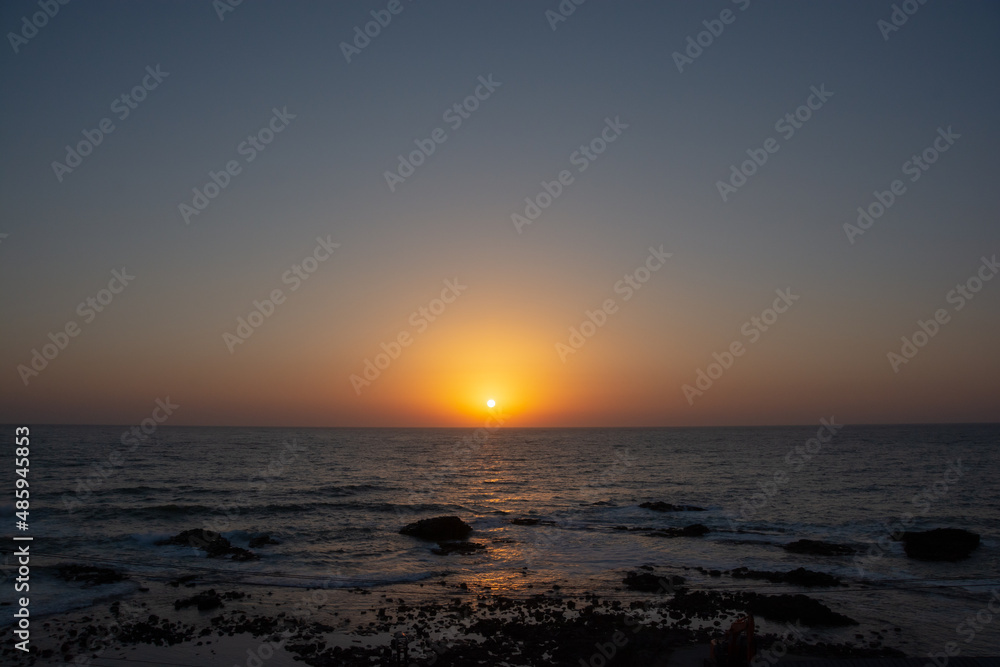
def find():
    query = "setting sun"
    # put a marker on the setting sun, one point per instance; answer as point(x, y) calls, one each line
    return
point(478, 221)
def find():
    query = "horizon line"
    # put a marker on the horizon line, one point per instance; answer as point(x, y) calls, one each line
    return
point(689, 426)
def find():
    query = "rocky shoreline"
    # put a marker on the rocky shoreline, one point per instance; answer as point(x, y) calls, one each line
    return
point(637, 616)
point(445, 621)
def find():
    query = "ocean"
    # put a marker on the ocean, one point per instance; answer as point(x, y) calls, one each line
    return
point(336, 498)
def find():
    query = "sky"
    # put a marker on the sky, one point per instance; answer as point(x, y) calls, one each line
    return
point(604, 214)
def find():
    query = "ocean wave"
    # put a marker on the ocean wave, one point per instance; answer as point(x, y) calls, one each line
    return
point(136, 490)
point(350, 489)
point(223, 509)
point(169, 508)
point(297, 580)
point(148, 539)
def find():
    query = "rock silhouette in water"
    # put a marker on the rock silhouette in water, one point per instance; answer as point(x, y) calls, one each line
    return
point(531, 521)
point(438, 529)
point(694, 530)
point(445, 548)
point(89, 575)
point(646, 582)
point(213, 544)
point(797, 577)
point(818, 548)
point(801, 608)
point(262, 540)
point(660, 506)
point(948, 544)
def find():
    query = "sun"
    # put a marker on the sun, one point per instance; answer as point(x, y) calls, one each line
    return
point(490, 403)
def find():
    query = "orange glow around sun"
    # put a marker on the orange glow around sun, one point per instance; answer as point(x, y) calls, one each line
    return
point(466, 377)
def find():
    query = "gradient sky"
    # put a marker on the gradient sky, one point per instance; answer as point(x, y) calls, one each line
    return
point(323, 175)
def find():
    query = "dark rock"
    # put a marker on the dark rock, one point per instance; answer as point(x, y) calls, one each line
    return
point(261, 541)
point(531, 521)
point(186, 579)
point(445, 548)
point(803, 577)
point(438, 529)
point(709, 605)
point(213, 544)
point(705, 605)
point(801, 608)
point(694, 530)
point(819, 548)
point(940, 544)
point(199, 538)
point(88, 575)
point(797, 577)
point(660, 506)
point(645, 582)
point(205, 601)
point(525, 521)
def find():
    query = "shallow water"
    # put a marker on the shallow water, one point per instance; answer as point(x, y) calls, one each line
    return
point(336, 499)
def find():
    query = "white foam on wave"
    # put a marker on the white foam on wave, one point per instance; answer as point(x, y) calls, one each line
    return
point(53, 596)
